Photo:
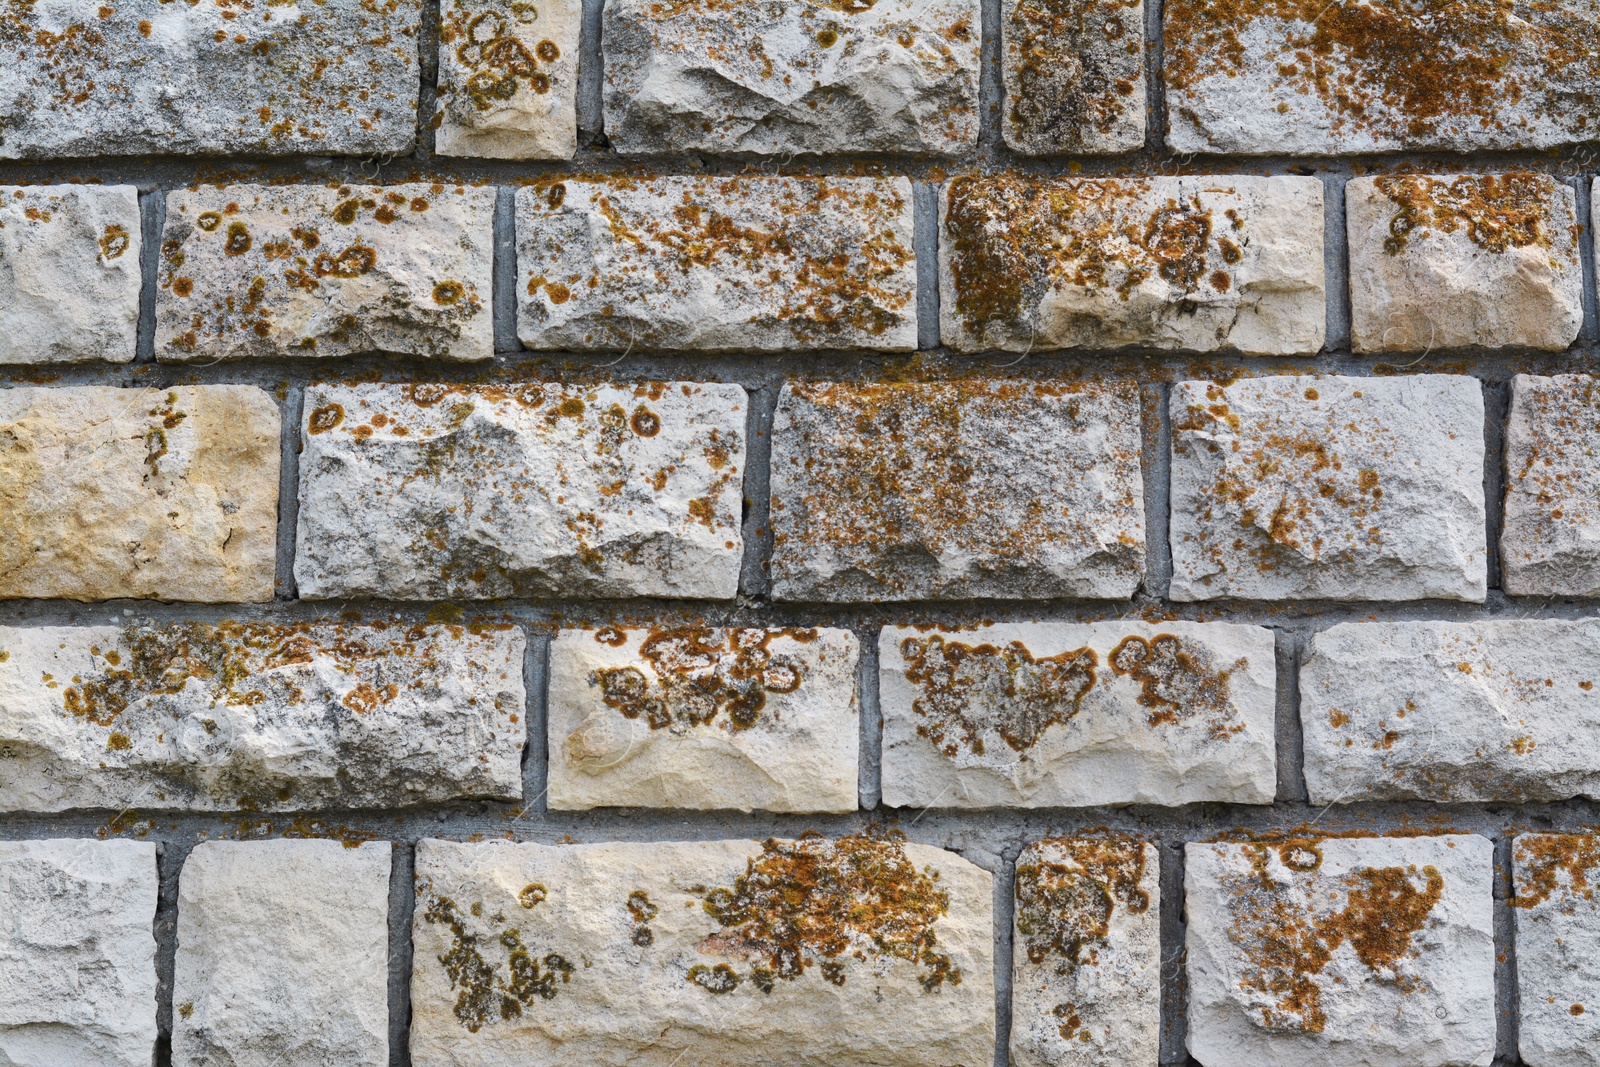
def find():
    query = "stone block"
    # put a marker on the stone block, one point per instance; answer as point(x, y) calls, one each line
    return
point(508, 79)
point(1558, 975)
point(1550, 540)
point(1074, 76)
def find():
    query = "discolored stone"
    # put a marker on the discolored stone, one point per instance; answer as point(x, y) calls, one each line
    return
point(1550, 540)
point(1074, 76)
point(319, 271)
point(528, 489)
point(752, 264)
point(864, 951)
point(508, 79)
point(704, 718)
point(1557, 927)
point(956, 490)
point(1202, 264)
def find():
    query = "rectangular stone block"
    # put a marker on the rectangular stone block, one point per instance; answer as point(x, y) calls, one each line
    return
point(1308, 487)
point(1296, 77)
point(792, 77)
point(1485, 260)
point(148, 77)
point(750, 264)
point(1558, 925)
point(704, 718)
point(77, 956)
point(1452, 711)
point(508, 79)
point(1341, 951)
point(164, 493)
point(279, 272)
point(283, 954)
point(1550, 540)
point(69, 266)
point(956, 490)
point(1074, 76)
point(863, 951)
point(1047, 715)
point(258, 716)
point(525, 489)
point(1200, 264)
point(1086, 981)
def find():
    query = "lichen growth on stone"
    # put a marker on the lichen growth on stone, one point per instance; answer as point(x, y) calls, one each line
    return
point(700, 673)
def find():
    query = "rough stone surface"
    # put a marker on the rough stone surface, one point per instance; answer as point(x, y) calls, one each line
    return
point(1203, 264)
point(508, 79)
point(1306, 487)
point(1086, 977)
point(69, 268)
point(287, 271)
point(77, 957)
point(530, 489)
point(1299, 77)
point(1343, 952)
point(1452, 262)
point(83, 78)
point(704, 718)
point(1550, 540)
point(164, 493)
point(792, 76)
point(1074, 76)
point(283, 953)
point(749, 264)
point(860, 952)
point(1077, 715)
point(1558, 925)
point(258, 715)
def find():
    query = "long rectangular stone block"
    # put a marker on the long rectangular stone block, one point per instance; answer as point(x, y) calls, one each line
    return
point(1550, 540)
point(1557, 926)
point(508, 79)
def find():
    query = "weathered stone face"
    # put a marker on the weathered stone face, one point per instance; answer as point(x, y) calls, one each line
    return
point(1086, 981)
point(1375, 951)
point(430, 491)
point(860, 951)
point(209, 78)
point(69, 268)
point(508, 79)
point(283, 953)
point(793, 76)
point(1274, 77)
point(258, 715)
point(319, 271)
point(704, 718)
point(1329, 487)
point(1077, 715)
point(951, 490)
point(1550, 541)
point(1452, 262)
point(1074, 76)
point(717, 264)
point(1557, 926)
point(163, 493)
point(77, 958)
point(1198, 264)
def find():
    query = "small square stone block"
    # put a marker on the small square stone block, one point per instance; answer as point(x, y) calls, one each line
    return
point(1550, 540)
point(1074, 76)
point(1558, 927)
point(508, 79)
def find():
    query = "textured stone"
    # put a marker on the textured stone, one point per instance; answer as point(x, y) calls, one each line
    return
point(209, 78)
point(258, 715)
point(1550, 540)
point(860, 952)
point(1475, 260)
point(1077, 715)
point(77, 957)
point(956, 490)
point(1300, 77)
point(69, 266)
point(426, 491)
point(508, 79)
point(705, 718)
point(1309, 487)
point(1343, 952)
point(1558, 925)
point(1074, 76)
point(283, 950)
point(1200, 264)
point(1086, 981)
point(792, 76)
point(286, 271)
point(717, 264)
point(164, 493)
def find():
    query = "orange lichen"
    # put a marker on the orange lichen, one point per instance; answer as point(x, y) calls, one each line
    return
point(1498, 211)
point(701, 673)
point(486, 996)
point(1064, 909)
point(1179, 684)
point(1076, 65)
point(1542, 860)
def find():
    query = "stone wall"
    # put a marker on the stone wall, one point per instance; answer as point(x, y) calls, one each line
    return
point(895, 532)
